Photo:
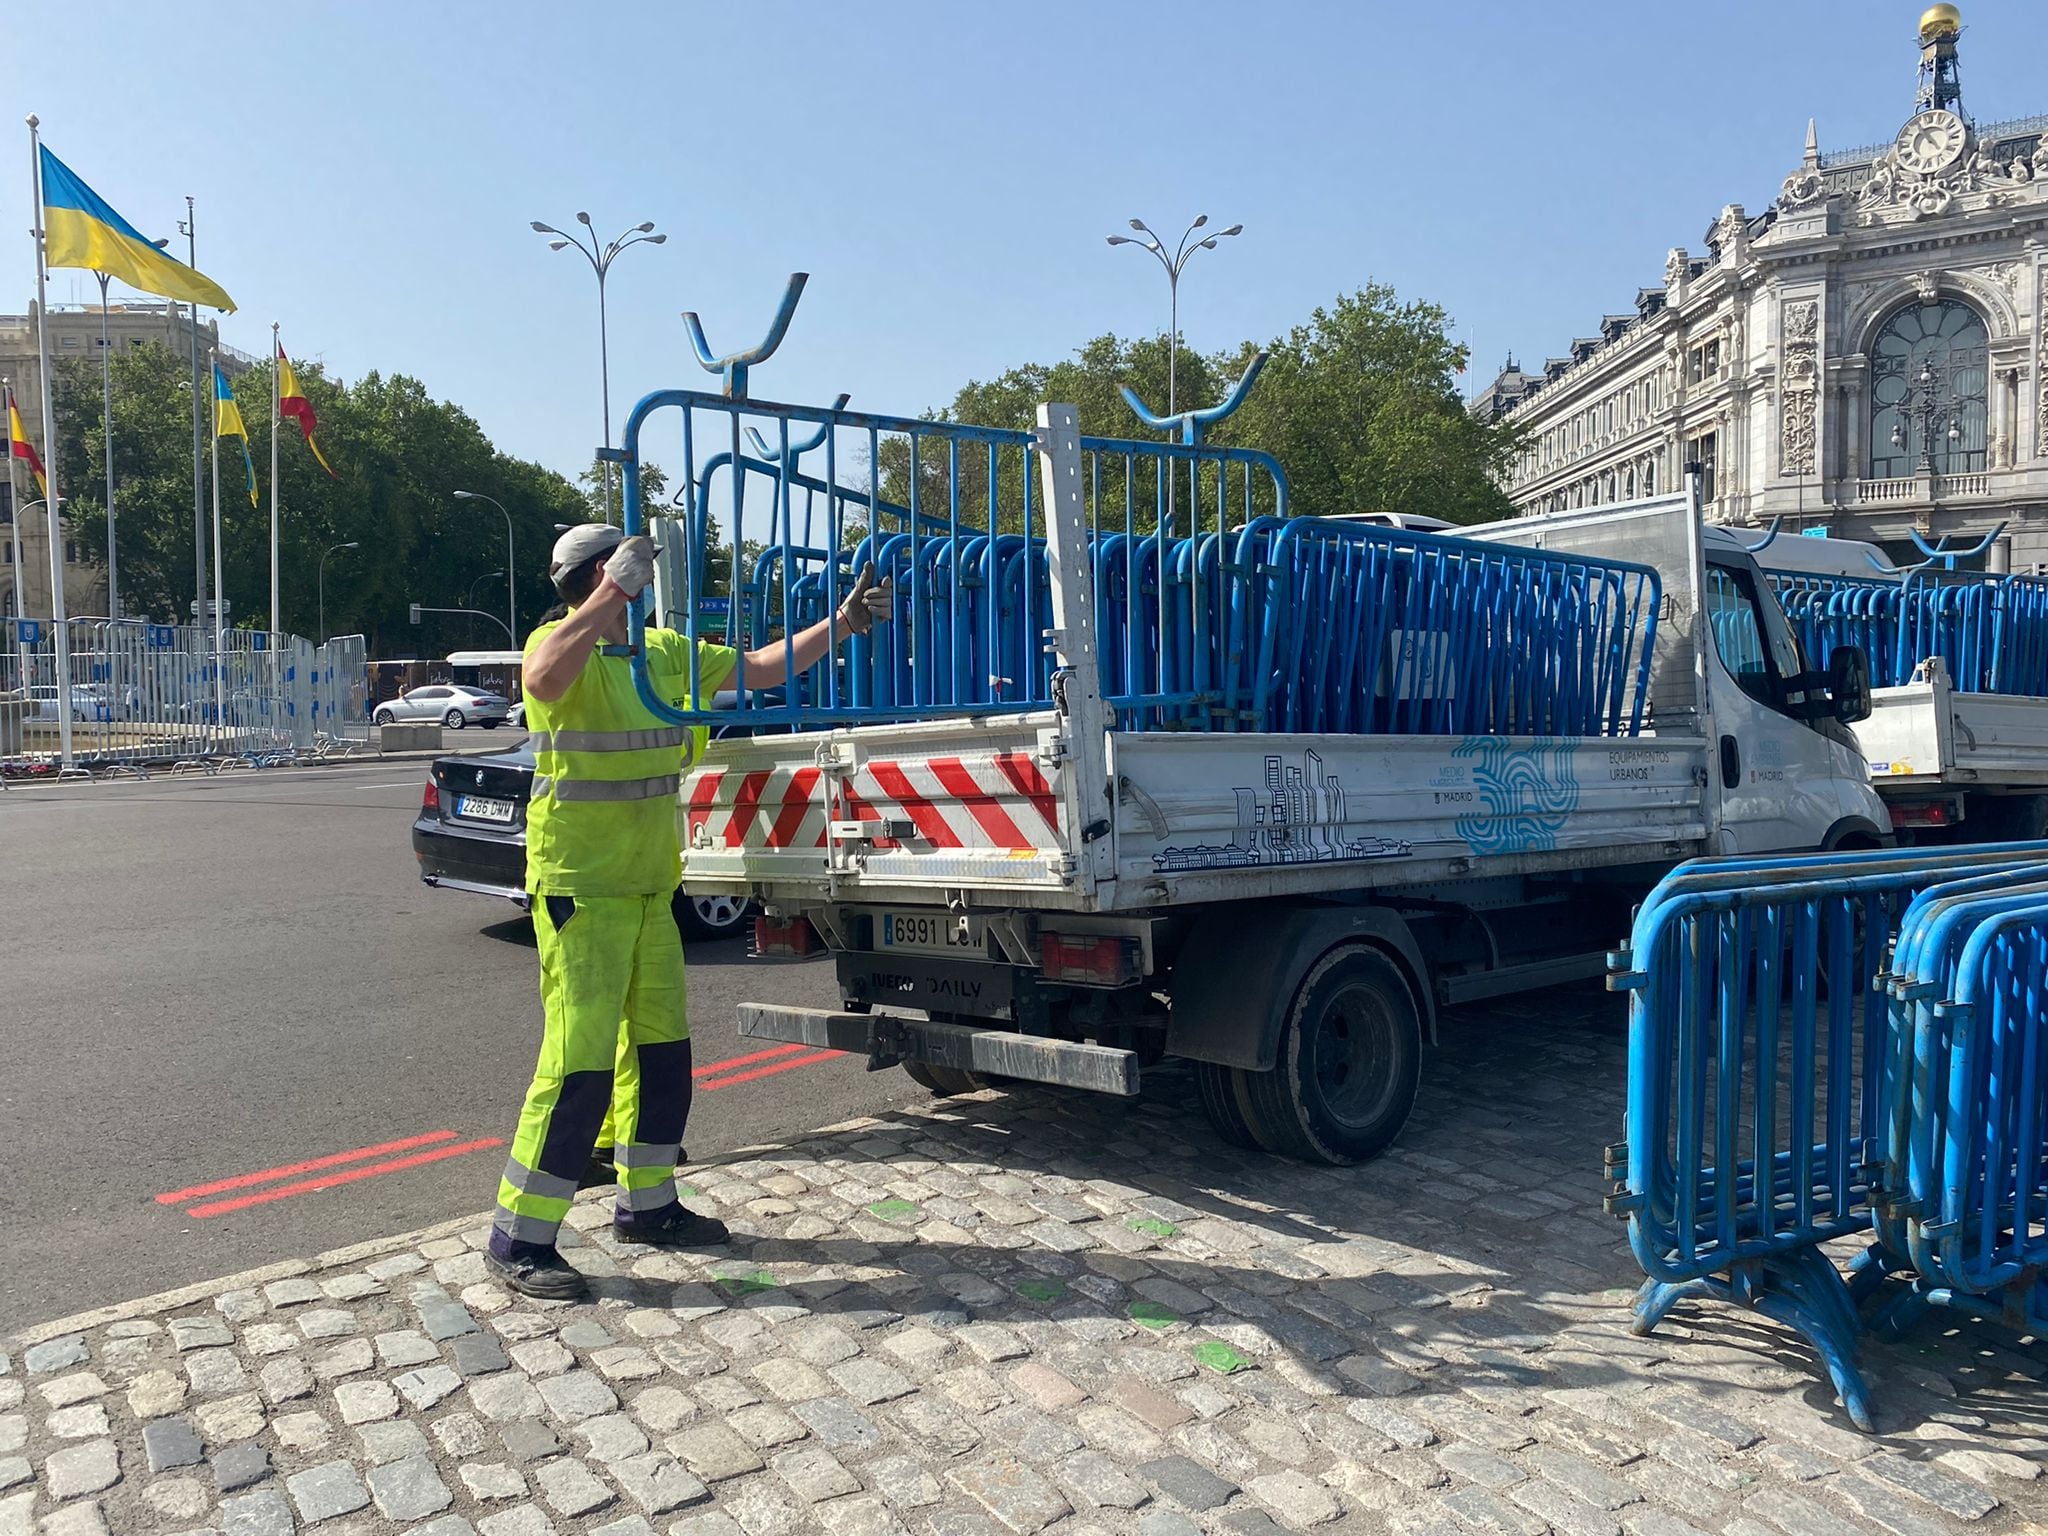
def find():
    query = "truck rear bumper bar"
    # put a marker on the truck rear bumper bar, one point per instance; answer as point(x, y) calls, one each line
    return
point(888, 1038)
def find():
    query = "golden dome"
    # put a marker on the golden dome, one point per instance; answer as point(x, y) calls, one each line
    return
point(1940, 21)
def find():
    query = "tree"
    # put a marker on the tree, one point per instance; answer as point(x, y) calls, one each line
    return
point(1360, 405)
point(1362, 409)
point(653, 488)
point(399, 455)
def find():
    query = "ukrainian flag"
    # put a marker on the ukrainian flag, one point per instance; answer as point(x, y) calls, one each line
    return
point(227, 422)
point(80, 230)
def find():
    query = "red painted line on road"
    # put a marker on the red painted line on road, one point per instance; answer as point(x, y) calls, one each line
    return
point(770, 1071)
point(285, 1171)
point(349, 1176)
point(730, 1062)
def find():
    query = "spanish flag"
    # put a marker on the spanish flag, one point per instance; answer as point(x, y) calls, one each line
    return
point(20, 447)
point(80, 230)
point(292, 402)
point(227, 422)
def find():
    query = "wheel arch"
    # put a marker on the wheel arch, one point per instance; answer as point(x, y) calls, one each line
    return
point(1246, 961)
point(1855, 832)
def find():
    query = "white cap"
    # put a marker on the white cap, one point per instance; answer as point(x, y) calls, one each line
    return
point(581, 544)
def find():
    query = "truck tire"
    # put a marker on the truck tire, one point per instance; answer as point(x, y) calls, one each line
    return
point(1217, 1088)
point(1350, 1058)
point(943, 1081)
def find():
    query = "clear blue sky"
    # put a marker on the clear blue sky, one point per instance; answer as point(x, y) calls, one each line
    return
point(947, 172)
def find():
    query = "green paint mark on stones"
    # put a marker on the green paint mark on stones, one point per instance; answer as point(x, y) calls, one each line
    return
point(1152, 1226)
point(1220, 1357)
point(893, 1210)
point(1150, 1314)
point(1047, 1291)
point(690, 1192)
point(745, 1282)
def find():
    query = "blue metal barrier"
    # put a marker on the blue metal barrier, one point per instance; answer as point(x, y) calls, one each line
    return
point(1963, 1203)
point(1761, 1111)
point(1215, 609)
point(1992, 631)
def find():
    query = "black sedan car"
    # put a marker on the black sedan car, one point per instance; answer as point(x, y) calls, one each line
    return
point(471, 836)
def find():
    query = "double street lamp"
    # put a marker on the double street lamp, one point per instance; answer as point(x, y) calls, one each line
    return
point(601, 258)
point(1174, 265)
point(511, 561)
point(352, 544)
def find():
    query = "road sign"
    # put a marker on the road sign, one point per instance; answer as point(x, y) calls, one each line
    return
point(708, 605)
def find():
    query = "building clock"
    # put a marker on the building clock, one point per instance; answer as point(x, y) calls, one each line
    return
point(1930, 142)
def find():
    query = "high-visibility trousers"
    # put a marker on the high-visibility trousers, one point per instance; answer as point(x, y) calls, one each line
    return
point(616, 1034)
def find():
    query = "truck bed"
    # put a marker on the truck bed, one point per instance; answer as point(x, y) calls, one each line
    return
point(990, 812)
point(1927, 735)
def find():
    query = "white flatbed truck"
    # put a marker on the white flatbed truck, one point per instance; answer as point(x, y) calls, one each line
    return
point(1949, 765)
point(1042, 897)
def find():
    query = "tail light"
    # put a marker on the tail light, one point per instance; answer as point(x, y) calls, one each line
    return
point(430, 799)
point(1929, 813)
point(1093, 960)
point(784, 941)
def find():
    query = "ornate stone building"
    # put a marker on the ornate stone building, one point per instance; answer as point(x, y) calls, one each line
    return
point(1864, 356)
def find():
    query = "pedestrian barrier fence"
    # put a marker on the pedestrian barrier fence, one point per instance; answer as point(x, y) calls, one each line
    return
point(1790, 1079)
point(1214, 609)
point(1992, 631)
point(144, 695)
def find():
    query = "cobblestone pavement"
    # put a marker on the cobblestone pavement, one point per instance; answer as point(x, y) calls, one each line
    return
point(1037, 1312)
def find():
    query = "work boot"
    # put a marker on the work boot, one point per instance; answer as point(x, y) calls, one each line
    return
point(598, 1172)
point(543, 1274)
point(675, 1226)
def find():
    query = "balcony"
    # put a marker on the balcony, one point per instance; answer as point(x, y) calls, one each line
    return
point(1934, 488)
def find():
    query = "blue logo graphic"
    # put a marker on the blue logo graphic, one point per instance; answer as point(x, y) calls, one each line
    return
point(1529, 793)
point(29, 631)
point(162, 637)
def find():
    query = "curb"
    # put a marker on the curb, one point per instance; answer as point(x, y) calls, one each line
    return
point(353, 1253)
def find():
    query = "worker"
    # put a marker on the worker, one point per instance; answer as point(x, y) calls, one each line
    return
point(603, 858)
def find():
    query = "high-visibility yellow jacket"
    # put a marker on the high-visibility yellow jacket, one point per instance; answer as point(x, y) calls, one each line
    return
point(602, 820)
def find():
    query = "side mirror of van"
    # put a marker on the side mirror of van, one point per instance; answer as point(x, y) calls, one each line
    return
point(1849, 683)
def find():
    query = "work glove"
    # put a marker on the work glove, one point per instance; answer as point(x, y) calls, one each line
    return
point(867, 604)
point(631, 566)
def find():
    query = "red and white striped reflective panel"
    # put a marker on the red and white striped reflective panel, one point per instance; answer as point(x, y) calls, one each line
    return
point(998, 800)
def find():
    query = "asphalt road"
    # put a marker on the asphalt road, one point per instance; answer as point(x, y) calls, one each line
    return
point(202, 979)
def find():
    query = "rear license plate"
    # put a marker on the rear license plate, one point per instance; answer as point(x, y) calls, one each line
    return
point(932, 933)
point(477, 808)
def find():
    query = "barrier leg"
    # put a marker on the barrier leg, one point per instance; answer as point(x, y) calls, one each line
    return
point(1869, 1270)
point(1803, 1291)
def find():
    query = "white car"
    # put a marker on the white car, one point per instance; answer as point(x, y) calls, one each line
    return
point(453, 704)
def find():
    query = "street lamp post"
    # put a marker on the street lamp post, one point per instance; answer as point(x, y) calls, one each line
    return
point(352, 544)
point(1175, 265)
point(511, 562)
point(469, 598)
point(601, 259)
point(20, 596)
point(1927, 403)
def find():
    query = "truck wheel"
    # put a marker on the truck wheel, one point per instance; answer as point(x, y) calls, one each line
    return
point(1350, 1056)
point(943, 1081)
point(1217, 1088)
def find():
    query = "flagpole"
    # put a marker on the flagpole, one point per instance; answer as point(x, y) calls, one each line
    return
point(14, 521)
point(60, 628)
point(190, 229)
point(220, 637)
point(276, 417)
point(107, 392)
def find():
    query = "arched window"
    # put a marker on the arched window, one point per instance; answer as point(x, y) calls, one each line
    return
point(1928, 369)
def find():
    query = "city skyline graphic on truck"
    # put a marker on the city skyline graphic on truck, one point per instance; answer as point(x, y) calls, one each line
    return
point(1294, 817)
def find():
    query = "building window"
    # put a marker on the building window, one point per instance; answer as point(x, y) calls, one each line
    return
point(1701, 451)
point(1703, 362)
point(1928, 371)
point(71, 552)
